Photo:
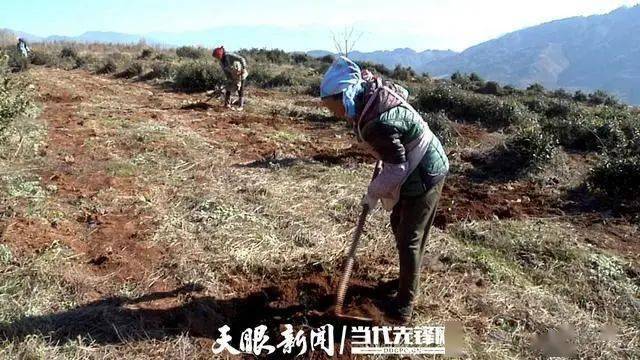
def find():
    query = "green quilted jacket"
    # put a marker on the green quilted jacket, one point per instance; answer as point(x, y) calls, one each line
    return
point(391, 131)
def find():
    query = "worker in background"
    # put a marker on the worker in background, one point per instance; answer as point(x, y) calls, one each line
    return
point(235, 68)
point(23, 48)
point(414, 165)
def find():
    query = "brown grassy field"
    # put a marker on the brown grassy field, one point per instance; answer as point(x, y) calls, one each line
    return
point(136, 221)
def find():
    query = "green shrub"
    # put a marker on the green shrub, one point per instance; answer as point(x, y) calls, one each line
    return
point(600, 97)
point(531, 147)
point(145, 54)
point(536, 88)
point(68, 52)
point(461, 80)
point(549, 108)
point(403, 73)
point(87, 60)
point(440, 125)
point(119, 58)
point(274, 56)
point(301, 58)
point(476, 78)
point(510, 90)
point(159, 70)
point(619, 130)
point(285, 78)
point(162, 57)
point(617, 177)
point(562, 94)
point(198, 76)
point(322, 68)
point(535, 104)
point(490, 111)
point(618, 174)
point(259, 76)
point(108, 67)
point(578, 132)
point(561, 109)
point(525, 152)
point(580, 96)
point(327, 59)
point(15, 61)
point(490, 88)
point(15, 98)
point(263, 77)
point(313, 89)
point(190, 52)
point(132, 70)
point(472, 82)
point(377, 68)
point(41, 58)
point(70, 59)
point(457, 77)
point(604, 129)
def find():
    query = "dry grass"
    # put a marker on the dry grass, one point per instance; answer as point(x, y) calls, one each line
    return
point(542, 278)
point(230, 226)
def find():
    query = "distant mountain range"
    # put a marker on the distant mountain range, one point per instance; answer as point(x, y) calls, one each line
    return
point(391, 58)
point(579, 53)
point(586, 53)
point(595, 52)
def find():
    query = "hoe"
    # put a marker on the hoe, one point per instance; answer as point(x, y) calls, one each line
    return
point(348, 265)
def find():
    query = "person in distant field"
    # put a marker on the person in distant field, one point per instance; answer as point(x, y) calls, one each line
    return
point(235, 68)
point(23, 48)
point(414, 164)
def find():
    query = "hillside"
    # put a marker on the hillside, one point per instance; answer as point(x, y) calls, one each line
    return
point(595, 52)
point(568, 53)
point(138, 215)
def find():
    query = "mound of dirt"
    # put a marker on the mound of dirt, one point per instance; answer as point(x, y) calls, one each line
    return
point(158, 315)
point(305, 304)
point(301, 302)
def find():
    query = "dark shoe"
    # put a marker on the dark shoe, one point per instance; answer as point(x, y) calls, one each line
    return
point(389, 288)
point(399, 313)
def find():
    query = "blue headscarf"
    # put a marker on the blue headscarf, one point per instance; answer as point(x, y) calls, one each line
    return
point(344, 77)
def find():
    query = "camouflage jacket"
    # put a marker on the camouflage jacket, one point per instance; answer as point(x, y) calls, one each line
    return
point(234, 66)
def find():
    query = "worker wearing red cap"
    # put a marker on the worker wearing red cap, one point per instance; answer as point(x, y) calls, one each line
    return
point(235, 68)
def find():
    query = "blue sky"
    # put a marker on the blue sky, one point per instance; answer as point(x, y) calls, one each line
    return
point(419, 24)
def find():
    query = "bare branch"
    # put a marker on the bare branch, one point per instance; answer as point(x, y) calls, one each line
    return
point(346, 41)
point(337, 43)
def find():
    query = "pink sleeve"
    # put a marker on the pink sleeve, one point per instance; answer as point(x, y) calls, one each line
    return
point(389, 181)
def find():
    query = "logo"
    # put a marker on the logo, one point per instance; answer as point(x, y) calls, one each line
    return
point(363, 340)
